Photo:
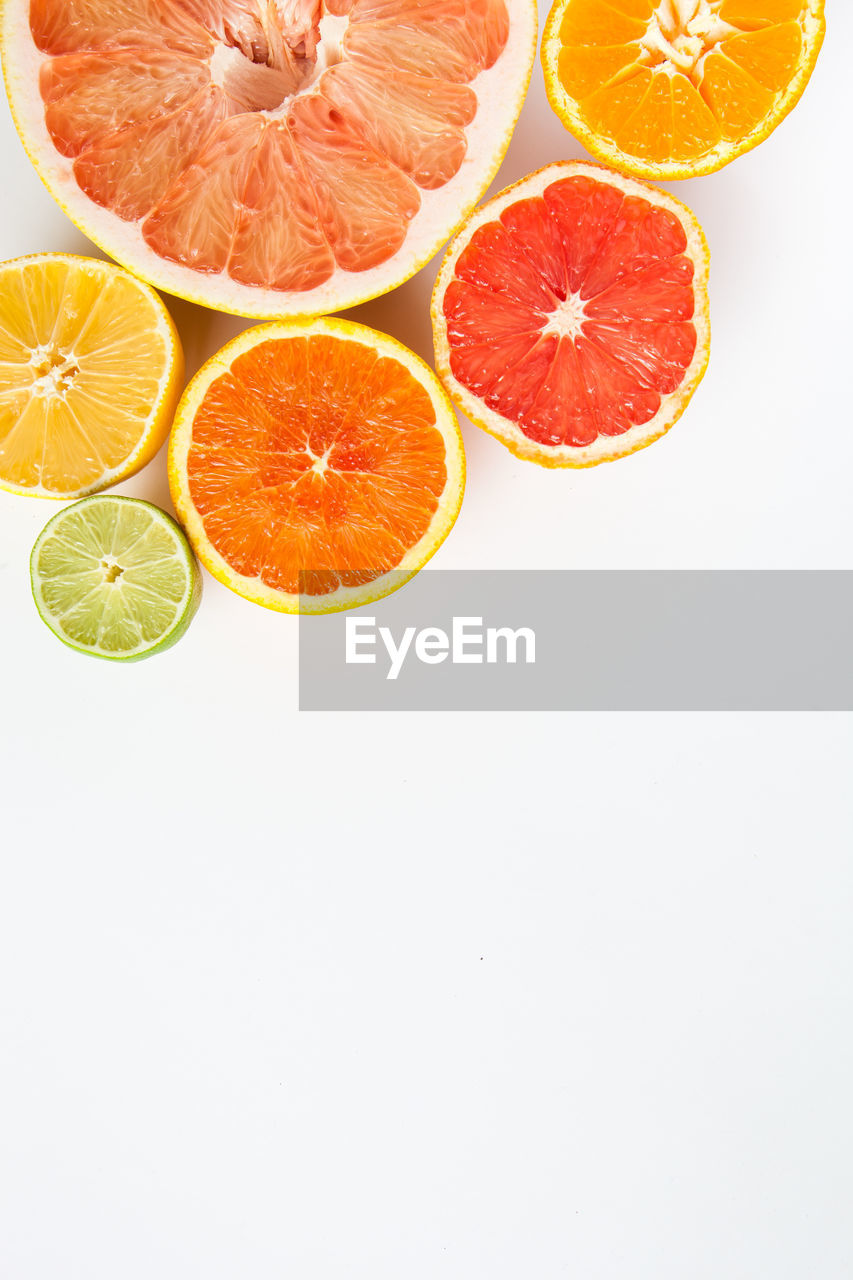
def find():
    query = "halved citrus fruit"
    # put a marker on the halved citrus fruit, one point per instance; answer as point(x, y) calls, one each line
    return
point(91, 368)
point(315, 466)
point(570, 315)
point(115, 578)
point(266, 158)
point(677, 88)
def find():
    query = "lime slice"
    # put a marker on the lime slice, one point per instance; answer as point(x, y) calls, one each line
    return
point(115, 577)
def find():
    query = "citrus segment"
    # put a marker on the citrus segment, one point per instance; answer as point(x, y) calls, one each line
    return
point(88, 97)
point(675, 88)
point(735, 99)
point(571, 315)
point(76, 25)
point(268, 159)
point(750, 14)
point(277, 243)
point(115, 578)
point(596, 23)
point(585, 68)
point(770, 55)
point(363, 200)
point(418, 124)
point(586, 210)
point(319, 460)
point(611, 107)
point(474, 32)
point(130, 171)
point(698, 128)
point(90, 372)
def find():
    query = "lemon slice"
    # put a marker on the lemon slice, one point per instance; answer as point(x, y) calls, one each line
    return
point(91, 368)
point(115, 577)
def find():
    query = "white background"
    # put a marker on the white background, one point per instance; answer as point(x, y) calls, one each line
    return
point(495, 996)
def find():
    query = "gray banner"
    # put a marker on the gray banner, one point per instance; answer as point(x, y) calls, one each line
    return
point(544, 640)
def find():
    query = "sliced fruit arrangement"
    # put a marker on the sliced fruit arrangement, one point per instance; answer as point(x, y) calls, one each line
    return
point(91, 369)
point(262, 157)
point(115, 578)
point(677, 88)
point(315, 466)
point(570, 315)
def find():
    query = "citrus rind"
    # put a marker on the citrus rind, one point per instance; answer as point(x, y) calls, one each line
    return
point(609, 153)
point(500, 92)
point(604, 448)
point(184, 612)
point(170, 383)
point(345, 597)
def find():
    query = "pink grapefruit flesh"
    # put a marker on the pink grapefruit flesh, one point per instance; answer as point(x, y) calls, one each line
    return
point(273, 143)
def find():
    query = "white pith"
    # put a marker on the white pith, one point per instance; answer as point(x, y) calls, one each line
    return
point(231, 70)
point(566, 321)
point(604, 448)
point(55, 381)
point(499, 90)
point(344, 597)
point(680, 36)
point(53, 369)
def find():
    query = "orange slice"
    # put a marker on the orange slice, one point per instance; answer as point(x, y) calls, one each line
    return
point(266, 158)
point(570, 315)
point(91, 368)
point(677, 88)
point(315, 466)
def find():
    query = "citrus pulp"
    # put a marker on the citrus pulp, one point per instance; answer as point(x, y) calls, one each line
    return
point(263, 157)
point(315, 466)
point(676, 88)
point(91, 368)
point(115, 578)
point(570, 315)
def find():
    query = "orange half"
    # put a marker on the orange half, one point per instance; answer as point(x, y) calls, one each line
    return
point(317, 466)
point(677, 88)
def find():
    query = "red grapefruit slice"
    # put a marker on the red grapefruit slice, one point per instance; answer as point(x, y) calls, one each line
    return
point(570, 315)
point(268, 157)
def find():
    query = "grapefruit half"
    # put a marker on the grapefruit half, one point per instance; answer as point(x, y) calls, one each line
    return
point(315, 466)
point(264, 157)
point(570, 315)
